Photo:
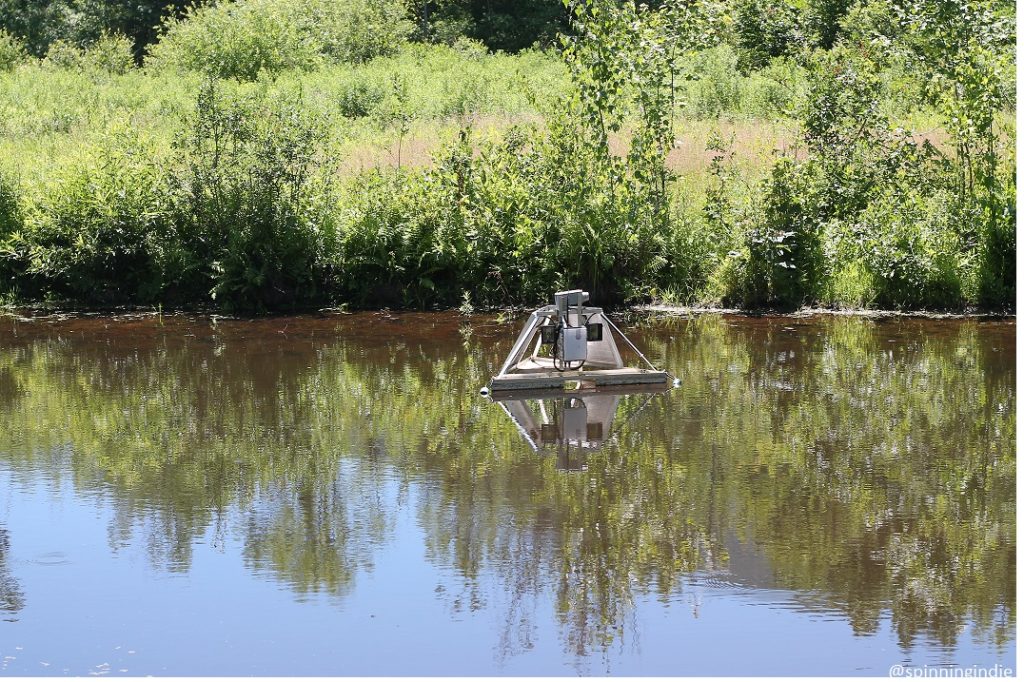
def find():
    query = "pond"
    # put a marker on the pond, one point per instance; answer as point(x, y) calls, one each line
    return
point(331, 495)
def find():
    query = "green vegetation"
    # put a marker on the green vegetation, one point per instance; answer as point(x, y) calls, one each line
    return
point(41, 23)
point(12, 51)
point(278, 154)
point(242, 39)
point(870, 466)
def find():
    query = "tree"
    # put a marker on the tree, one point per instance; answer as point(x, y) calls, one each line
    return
point(41, 22)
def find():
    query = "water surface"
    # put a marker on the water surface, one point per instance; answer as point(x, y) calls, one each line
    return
point(331, 496)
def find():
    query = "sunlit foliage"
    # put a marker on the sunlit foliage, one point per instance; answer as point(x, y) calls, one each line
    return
point(450, 174)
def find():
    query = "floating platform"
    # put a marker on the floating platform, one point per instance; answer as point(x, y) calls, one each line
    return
point(568, 345)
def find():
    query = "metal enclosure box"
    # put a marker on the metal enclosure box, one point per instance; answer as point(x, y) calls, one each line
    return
point(574, 344)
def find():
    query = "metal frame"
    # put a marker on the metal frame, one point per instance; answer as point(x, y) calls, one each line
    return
point(508, 378)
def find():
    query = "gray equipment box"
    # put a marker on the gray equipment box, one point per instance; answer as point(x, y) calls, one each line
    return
point(574, 344)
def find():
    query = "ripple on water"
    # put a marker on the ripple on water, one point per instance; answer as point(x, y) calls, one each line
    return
point(727, 585)
point(717, 581)
point(51, 559)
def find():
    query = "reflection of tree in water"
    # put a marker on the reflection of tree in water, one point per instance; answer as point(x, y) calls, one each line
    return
point(871, 465)
point(12, 599)
point(877, 474)
point(893, 488)
point(595, 539)
point(188, 434)
point(318, 533)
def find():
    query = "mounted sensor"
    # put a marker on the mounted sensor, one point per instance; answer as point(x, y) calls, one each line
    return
point(567, 341)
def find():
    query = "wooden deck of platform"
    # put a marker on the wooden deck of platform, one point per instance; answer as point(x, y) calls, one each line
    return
point(625, 376)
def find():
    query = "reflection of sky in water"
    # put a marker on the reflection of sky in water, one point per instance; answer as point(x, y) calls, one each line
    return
point(96, 610)
point(301, 531)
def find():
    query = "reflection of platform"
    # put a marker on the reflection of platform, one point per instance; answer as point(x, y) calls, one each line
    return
point(534, 393)
point(583, 419)
point(622, 376)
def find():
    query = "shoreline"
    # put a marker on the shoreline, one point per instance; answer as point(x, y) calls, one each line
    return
point(43, 313)
point(808, 312)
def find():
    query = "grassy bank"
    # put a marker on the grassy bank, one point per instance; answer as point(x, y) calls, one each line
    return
point(433, 175)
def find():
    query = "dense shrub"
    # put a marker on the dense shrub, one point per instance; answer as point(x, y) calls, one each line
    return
point(10, 206)
point(998, 258)
point(579, 219)
point(871, 216)
point(236, 40)
point(108, 54)
point(508, 26)
point(525, 217)
point(767, 28)
point(778, 90)
point(783, 245)
point(252, 204)
point(243, 38)
point(11, 224)
point(712, 85)
point(244, 217)
point(910, 252)
point(40, 23)
point(358, 30)
point(361, 97)
point(12, 51)
point(93, 233)
point(825, 20)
